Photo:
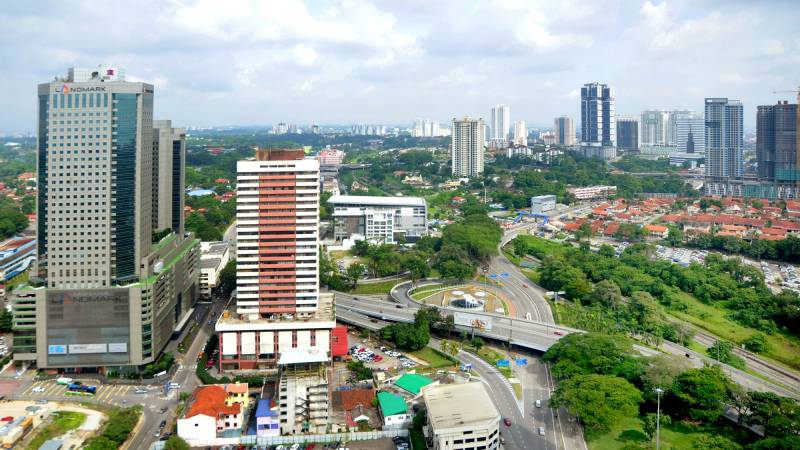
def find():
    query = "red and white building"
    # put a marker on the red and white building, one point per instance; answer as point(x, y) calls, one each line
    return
point(280, 316)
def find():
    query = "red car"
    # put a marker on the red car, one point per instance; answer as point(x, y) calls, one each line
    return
point(377, 358)
point(210, 364)
point(507, 421)
point(558, 333)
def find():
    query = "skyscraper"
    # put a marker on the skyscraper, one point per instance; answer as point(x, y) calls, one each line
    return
point(598, 122)
point(169, 158)
point(280, 316)
point(628, 134)
point(671, 126)
point(564, 129)
point(776, 143)
point(724, 142)
point(103, 293)
point(520, 133)
point(501, 122)
point(654, 127)
point(468, 141)
point(689, 131)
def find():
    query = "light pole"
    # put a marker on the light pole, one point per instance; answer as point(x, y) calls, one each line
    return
point(659, 391)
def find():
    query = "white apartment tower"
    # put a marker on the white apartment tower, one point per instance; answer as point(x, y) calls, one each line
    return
point(654, 129)
point(501, 122)
point(520, 133)
point(564, 129)
point(468, 141)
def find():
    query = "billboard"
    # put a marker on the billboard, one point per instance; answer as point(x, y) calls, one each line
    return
point(88, 327)
point(477, 321)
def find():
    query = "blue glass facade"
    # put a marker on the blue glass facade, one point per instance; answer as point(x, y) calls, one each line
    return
point(41, 180)
point(123, 161)
point(177, 192)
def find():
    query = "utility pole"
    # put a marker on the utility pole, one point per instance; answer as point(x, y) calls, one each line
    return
point(659, 391)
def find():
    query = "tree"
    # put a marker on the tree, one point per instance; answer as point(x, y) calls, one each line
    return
point(722, 351)
point(450, 347)
point(588, 353)
point(360, 248)
point(599, 400)
point(607, 294)
point(456, 270)
point(780, 416)
point(756, 343)
point(772, 443)
point(607, 251)
point(650, 423)
point(660, 372)
point(709, 442)
point(520, 246)
point(417, 268)
point(428, 317)
point(227, 277)
point(6, 320)
point(354, 272)
point(701, 393)
point(101, 443)
point(176, 443)
point(449, 324)
point(477, 344)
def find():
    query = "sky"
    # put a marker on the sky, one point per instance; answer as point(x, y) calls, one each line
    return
point(259, 62)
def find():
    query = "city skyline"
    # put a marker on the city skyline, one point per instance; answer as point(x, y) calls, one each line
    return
point(221, 69)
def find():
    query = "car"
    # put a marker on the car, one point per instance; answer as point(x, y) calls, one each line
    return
point(378, 358)
point(524, 285)
point(294, 447)
point(538, 403)
point(502, 440)
point(157, 433)
point(162, 424)
point(140, 391)
point(507, 421)
point(38, 389)
point(162, 410)
point(41, 402)
point(558, 333)
point(540, 430)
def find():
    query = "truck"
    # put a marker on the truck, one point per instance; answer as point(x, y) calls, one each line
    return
point(83, 389)
point(64, 380)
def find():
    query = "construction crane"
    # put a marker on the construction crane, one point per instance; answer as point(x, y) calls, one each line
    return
point(796, 91)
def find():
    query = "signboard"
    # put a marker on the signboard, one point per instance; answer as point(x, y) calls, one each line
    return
point(56, 349)
point(503, 363)
point(477, 321)
point(118, 347)
point(521, 361)
point(81, 349)
point(465, 367)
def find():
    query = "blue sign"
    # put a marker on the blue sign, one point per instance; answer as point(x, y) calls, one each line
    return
point(505, 275)
point(493, 276)
point(521, 361)
point(466, 367)
point(503, 363)
point(56, 349)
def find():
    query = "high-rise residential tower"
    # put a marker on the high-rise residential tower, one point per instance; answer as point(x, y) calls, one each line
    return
point(654, 127)
point(628, 134)
point(500, 122)
point(468, 141)
point(169, 158)
point(776, 143)
point(598, 120)
point(689, 131)
point(520, 133)
point(564, 129)
point(724, 145)
point(280, 316)
point(103, 294)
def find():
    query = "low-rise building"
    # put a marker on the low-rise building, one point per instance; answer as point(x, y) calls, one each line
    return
point(379, 219)
point(209, 416)
point(592, 192)
point(394, 411)
point(213, 258)
point(413, 382)
point(461, 416)
point(16, 255)
point(267, 423)
point(543, 203)
point(237, 393)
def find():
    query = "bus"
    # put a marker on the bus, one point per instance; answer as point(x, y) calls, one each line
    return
point(81, 389)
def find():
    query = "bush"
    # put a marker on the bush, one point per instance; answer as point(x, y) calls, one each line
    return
point(163, 363)
point(117, 430)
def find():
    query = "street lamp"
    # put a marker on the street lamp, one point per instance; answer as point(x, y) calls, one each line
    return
point(659, 391)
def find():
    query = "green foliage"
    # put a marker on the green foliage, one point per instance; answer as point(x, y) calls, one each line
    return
point(117, 430)
point(476, 343)
point(6, 319)
point(700, 394)
point(361, 371)
point(204, 229)
point(630, 163)
point(722, 351)
point(161, 234)
point(406, 336)
point(785, 443)
point(650, 422)
point(12, 220)
point(599, 400)
point(354, 272)
point(175, 442)
point(756, 343)
point(163, 363)
point(707, 442)
point(227, 277)
point(779, 416)
point(589, 353)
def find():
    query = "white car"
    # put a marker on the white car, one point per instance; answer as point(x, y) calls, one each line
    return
point(38, 389)
point(294, 447)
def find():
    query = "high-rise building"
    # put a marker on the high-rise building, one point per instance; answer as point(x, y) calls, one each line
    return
point(520, 133)
point(100, 178)
point(501, 122)
point(628, 134)
point(169, 158)
point(598, 126)
point(689, 132)
point(776, 143)
point(724, 145)
point(468, 141)
point(315, 129)
point(564, 129)
point(654, 127)
point(280, 316)
point(426, 128)
point(671, 126)
point(280, 128)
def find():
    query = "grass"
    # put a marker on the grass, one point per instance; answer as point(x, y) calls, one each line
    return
point(491, 356)
point(63, 421)
point(678, 435)
point(377, 288)
point(426, 291)
point(782, 348)
point(532, 275)
point(517, 390)
point(434, 358)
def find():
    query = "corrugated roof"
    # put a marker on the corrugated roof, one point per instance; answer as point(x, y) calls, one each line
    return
point(391, 404)
point(264, 409)
point(376, 201)
point(413, 382)
point(355, 397)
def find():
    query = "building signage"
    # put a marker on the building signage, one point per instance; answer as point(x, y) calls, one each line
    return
point(476, 321)
point(87, 348)
point(67, 89)
point(56, 349)
point(118, 347)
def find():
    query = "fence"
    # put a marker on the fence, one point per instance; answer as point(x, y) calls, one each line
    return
point(301, 439)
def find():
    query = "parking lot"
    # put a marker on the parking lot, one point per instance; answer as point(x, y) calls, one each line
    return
point(377, 356)
point(682, 256)
point(50, 390)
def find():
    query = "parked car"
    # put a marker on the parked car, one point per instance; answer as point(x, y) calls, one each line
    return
point(507, 421)
point(541, 431)
point(538, 403)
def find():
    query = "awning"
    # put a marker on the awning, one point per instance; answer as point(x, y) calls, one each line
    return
point(302, 355)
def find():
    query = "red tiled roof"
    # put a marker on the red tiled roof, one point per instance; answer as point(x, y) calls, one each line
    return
point(655, 228)
point(611, 228)
point(210, 401)
point(774, 231)
point(572, 226)
point(236, 388)
point(339, 341)
point(355, 397)
point(770, 237)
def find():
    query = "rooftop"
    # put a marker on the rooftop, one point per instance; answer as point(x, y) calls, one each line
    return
point(210, 401)
point(376, 201)
point(413, 382)
point(323, 317)
point(458, 405)
point(391, 404)
point(264, 409)
point(355, 397)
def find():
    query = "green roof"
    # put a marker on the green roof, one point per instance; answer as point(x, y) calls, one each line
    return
point(391, 404)
point(413, 382)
